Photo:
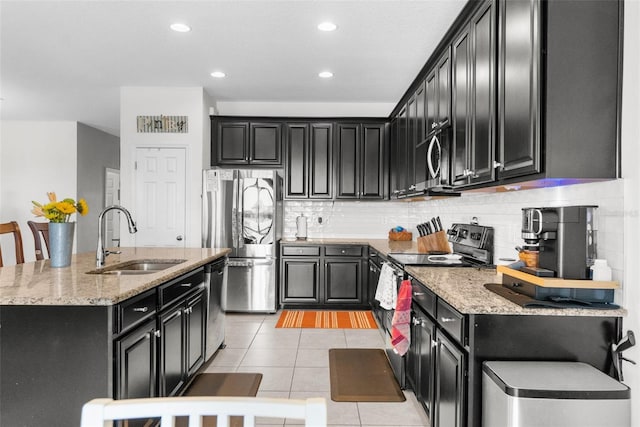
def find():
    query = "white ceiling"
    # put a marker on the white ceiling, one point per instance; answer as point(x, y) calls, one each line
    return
point(66, 60)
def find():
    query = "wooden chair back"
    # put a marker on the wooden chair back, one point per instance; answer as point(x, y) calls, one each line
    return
point(101, 412)
point(39, 229)
point(12, 227)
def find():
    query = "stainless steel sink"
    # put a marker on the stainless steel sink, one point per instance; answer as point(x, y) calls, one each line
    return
point(140, 266)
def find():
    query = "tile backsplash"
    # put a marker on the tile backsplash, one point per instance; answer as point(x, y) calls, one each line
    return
point(502, 211)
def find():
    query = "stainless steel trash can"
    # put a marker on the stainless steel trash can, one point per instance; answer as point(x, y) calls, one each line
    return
point(552, 394)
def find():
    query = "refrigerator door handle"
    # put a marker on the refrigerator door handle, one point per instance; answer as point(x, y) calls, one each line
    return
point(234, 211)
point(240, 223)
point(205, 210)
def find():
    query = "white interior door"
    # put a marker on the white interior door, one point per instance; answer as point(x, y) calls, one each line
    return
point(112, 197)
point(160, 196)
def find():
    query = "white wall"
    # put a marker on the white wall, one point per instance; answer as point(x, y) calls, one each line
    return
point(188, 101)
point(304, 109)
point(37, 157)
point(631, 171)
point(97, 150)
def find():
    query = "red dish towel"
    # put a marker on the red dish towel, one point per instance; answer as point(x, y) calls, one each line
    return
point(400, 330)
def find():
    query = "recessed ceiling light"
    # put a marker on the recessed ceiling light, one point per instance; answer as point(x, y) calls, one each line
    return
point(325, 74)
point(180, 28)
point(327, 26)
point(218, 74)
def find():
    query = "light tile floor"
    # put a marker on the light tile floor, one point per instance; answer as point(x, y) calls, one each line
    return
point(295, 364)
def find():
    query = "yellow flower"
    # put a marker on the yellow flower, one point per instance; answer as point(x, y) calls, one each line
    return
point(66, 208)
point(82, 207)
point(61, 211)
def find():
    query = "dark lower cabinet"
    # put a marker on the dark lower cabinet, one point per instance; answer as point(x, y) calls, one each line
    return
point(300, 281)
point(181, 342)
point(323, 275)
point(136, 363)
point(171, 351)
point(343, 281)
point(195, 319)
point(449, 383)
point(421, 358)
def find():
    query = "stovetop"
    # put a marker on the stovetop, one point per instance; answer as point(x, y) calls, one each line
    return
point(429, 260)
point(472, 246)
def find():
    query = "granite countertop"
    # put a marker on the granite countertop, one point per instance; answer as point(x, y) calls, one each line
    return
point(36, 283)
point(381, 245)
point(462, 288)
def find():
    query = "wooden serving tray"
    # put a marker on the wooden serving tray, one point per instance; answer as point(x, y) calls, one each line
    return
point(556, 282)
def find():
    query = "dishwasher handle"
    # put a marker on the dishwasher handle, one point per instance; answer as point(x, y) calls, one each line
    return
point(251, 262)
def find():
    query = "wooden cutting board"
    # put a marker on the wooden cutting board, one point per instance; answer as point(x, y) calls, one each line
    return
point(555, 282)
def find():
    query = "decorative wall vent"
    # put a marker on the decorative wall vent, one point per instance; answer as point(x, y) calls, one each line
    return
point(163, 124)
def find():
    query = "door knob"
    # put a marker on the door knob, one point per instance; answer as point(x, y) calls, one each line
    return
point(179, 238)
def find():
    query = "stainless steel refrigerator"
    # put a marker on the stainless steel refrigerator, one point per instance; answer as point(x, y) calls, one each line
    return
point(242, 210)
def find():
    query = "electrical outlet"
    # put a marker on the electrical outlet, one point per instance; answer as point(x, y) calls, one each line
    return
point(319, 220)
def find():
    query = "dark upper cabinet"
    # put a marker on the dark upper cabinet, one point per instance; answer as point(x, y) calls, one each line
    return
point(558, 89)
point(308, 163)
point(232, 142)
point(265, 144)
point(460, 95)
point(246, 143)
point(297, 161)
point(519, 86)
point(438, 93)
point(400, 146)
point(395, 169)
point(473, 94)
point(360, 170)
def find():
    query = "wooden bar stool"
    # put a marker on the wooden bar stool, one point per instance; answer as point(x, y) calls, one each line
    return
point(39, 229)
point(13, 227)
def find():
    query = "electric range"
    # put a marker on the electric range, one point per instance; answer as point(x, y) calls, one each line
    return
point(472, 246)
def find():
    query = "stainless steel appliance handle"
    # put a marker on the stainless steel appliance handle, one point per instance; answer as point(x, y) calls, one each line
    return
point(234, 210)
point(240, 223)
point(205, 210)
point(538, 213)
point(433, 170)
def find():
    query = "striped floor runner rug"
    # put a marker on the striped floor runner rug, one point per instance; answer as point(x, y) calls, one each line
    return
point(326, 319)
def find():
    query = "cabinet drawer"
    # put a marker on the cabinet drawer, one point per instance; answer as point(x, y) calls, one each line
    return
point(302, 250)
point(135, 310)
point(176, 288)
point(423, 297)
point(343, 250)
point(451, 321)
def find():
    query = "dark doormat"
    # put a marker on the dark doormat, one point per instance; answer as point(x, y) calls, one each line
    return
point(362, 375)
point(222, 384)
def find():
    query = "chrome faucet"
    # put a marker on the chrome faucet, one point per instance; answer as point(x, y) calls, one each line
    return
point(101, 253)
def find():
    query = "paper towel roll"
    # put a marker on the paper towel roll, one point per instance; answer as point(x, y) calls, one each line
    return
point(301, 226)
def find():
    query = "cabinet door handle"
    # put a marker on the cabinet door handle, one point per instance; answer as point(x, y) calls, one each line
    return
point(434, 343)
point(447, 319)
point(497, 164)
point(141, 309)
point(157, 333)
point(418, 294)
point(186, 285)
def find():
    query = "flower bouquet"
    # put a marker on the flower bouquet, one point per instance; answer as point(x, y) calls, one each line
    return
point(61, 230)
point(56, 211)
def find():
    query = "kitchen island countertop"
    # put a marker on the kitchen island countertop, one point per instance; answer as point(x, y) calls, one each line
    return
point(36, 283)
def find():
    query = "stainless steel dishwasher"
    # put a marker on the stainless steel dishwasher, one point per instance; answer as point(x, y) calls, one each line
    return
point(215, 282)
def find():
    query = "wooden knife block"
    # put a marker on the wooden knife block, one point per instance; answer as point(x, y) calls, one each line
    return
point(434, 242)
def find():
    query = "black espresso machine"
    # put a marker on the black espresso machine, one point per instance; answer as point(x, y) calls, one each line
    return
point(565, 238)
